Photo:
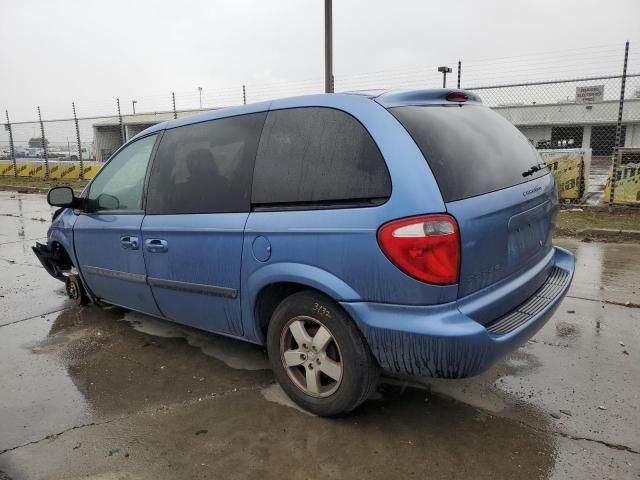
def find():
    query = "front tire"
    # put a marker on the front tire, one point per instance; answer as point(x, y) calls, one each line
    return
point(75, 290)
point(319, 356)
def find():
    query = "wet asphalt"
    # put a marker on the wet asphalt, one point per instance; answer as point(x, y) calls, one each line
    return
point(89, 393)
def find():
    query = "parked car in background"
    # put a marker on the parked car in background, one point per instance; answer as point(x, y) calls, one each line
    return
point(408, 232)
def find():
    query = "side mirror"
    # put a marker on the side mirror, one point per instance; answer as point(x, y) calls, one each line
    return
point(107, 202)
point(61, 197)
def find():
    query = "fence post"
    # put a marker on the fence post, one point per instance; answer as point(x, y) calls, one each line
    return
point(616, 145)
point(44, 145)
point(120, 122)
point(459, 72)
point(173, 100)
point(75, 119)
point(244, 94)
point(12, 150)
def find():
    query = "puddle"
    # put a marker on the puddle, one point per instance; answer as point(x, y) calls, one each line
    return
point(274, 393)
point(236, 354)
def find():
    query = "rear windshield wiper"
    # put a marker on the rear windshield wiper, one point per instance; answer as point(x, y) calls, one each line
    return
point(534, 169)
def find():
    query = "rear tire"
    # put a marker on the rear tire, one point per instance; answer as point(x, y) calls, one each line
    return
point(319, 356)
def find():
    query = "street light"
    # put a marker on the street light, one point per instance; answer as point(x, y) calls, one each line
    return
point(133, 105)
point(200, 92)
point(444, 71)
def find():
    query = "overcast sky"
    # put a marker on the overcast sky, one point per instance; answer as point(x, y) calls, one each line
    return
point(54, 51)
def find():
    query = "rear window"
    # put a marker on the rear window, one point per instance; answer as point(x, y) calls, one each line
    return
point(320, 156)
point(470, 149)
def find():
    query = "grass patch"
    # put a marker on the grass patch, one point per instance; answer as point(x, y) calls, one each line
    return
point(570, 223)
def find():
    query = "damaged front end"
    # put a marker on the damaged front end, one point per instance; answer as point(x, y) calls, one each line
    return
point(54, 259)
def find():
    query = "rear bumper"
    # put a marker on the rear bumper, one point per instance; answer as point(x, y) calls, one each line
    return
point(441, 341)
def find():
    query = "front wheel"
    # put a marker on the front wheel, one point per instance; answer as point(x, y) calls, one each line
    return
point(318, 355)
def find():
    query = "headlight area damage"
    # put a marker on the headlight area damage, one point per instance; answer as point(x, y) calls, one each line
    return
point(55, 260)
point(57, 263)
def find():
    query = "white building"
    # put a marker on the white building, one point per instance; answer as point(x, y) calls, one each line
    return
point(555, 125)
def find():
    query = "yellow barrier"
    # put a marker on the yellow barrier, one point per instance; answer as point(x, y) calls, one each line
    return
point(24, 169)
point(38, 170)
point(570, 168)
point(627, 185)
point(64, 171)
point(90, 169)
point(57, 170)
point(6, 169)
point(568, 175)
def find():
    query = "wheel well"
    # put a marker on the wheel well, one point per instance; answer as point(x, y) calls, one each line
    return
point(270, 297)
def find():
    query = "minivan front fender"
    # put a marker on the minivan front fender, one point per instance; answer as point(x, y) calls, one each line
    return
point(288, 272)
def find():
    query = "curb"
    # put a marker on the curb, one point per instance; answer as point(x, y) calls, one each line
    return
point(610, 233)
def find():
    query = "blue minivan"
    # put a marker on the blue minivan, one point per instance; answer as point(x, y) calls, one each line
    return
point(407, 232)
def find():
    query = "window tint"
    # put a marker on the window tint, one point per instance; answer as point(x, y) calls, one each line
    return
point(470, 149)
point(205, 167)
point(309, 155)
point(120, 183)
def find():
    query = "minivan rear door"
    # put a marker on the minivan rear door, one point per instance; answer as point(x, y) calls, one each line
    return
point(197, 207)
point(494, 183)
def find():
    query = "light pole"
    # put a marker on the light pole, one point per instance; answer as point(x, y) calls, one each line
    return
point(133, 105)
point(444, 71)
point(200, 92)
point(328, 47)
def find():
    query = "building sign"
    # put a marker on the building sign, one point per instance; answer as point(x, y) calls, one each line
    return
point(590, 94)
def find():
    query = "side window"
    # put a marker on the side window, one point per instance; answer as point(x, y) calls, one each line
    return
point(205, 167)
point(120, 183)
point(315, 155)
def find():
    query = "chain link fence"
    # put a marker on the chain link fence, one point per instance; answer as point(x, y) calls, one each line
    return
point(575, 123)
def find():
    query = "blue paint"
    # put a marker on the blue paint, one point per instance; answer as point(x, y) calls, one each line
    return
point(412, 327)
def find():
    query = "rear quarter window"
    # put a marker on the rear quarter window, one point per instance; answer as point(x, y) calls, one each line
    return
point(317, 155)
point(470, 149)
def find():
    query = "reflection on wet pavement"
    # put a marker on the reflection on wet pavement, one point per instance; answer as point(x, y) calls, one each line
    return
point(108, 394)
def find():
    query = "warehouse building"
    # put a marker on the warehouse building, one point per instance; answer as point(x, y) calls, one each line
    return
point(107, 135)
point(556, 125)
point(575, 125)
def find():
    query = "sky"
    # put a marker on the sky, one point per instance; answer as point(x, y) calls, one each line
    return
point(54, 52)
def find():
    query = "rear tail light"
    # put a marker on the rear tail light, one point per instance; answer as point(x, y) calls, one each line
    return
point(426, 247)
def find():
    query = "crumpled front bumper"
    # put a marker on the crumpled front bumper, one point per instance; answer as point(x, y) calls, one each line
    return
point(442, 341)
point(50, 260)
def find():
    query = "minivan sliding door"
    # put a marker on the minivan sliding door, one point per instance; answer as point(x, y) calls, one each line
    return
point(197, 205)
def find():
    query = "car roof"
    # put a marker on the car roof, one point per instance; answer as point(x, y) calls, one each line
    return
point(386, 98)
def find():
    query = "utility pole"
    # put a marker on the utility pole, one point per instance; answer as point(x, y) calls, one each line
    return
point(200, 92)
point(328, 47)
point(459, 72)
point(244, 94)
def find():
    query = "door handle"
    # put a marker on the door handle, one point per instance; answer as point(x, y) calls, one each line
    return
point(129, 243)
point(156, 245)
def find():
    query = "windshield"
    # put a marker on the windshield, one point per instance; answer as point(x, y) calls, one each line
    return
point(470, 149)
